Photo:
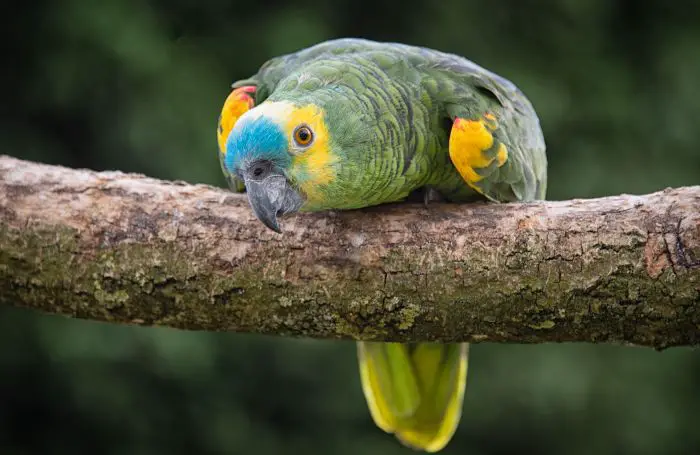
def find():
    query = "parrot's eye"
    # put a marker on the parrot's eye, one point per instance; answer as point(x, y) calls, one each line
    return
point(303, 136)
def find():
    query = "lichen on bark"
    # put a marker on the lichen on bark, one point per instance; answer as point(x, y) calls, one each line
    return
point(128, 249)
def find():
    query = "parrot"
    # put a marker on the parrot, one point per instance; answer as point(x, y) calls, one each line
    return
point(351, 123)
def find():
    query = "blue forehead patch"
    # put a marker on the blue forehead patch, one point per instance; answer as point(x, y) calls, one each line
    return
point(257, 139)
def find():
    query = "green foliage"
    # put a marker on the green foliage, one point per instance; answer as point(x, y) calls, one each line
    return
point(137, 85)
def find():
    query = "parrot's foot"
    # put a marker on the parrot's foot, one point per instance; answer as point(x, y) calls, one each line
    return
point(475, 149)
point(426, 195)
point(430, 194)
point(238, 103)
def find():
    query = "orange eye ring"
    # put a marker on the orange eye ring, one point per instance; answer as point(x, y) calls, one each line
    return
point(303, 136)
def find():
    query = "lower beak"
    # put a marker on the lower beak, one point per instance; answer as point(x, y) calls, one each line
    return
point(272, 197)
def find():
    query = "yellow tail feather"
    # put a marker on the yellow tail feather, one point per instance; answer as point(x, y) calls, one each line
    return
point(415, 391)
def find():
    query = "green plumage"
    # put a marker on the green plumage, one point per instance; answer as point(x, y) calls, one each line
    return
point(390, 107)
point(389, 110)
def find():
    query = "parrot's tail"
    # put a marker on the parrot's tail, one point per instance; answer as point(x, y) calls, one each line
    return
point(415, 390)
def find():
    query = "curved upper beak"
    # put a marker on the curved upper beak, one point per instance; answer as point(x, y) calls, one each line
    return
point(269, 193)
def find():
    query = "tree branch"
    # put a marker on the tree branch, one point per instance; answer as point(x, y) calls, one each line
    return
point(125, 248)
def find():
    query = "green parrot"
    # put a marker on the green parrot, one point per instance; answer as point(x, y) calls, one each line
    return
point(351, 123)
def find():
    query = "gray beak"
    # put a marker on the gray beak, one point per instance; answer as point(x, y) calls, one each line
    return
point(269, 193)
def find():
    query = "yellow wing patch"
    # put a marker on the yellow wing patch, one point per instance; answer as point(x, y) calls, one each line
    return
point(237, 103)
point(472, 148)
point(502, 155)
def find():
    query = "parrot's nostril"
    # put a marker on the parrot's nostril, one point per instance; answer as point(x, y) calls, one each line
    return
point(260, 170)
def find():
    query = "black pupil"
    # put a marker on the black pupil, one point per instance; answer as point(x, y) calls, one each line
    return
point(303, 135)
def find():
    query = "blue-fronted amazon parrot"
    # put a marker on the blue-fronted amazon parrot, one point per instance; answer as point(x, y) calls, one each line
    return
point(351, 123)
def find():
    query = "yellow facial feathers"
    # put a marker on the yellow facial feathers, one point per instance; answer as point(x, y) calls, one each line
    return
point(313, 165)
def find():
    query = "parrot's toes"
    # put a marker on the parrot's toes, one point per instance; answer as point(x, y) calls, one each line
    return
point(430, 194)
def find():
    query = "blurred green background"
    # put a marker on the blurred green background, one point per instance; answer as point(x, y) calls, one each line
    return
point(137, 85)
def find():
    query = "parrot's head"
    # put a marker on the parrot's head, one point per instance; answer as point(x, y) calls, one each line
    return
point(283, 153)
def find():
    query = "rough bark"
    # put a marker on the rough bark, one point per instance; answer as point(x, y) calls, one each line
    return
point(125, 248)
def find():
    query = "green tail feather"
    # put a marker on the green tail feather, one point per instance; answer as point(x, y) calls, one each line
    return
point(415, 390)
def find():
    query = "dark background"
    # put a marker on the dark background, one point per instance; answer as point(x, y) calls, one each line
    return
point(137, 85)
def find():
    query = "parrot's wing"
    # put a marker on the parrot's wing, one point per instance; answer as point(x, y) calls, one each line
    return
point(503, 164)
point(496, 141)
